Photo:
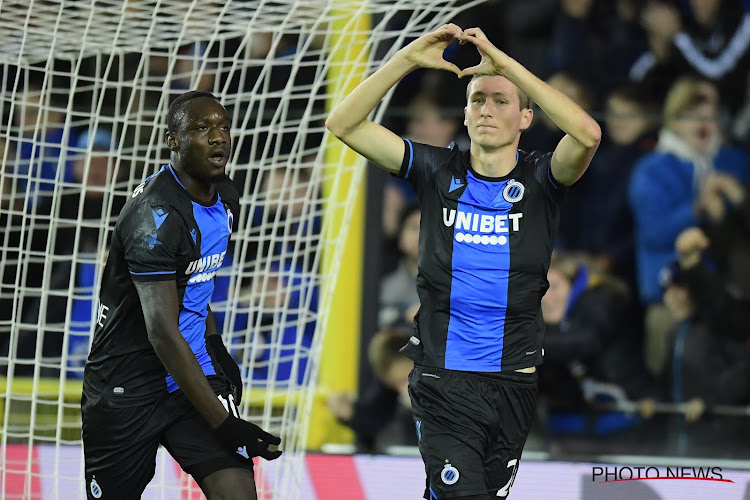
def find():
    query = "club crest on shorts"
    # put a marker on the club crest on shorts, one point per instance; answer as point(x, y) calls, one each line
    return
point(96, 490)
point(449, 475)
point(513, 191)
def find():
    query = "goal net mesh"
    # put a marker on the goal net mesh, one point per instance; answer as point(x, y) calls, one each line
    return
point(85, 87)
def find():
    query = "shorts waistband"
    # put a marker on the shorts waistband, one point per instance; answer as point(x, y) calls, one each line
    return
point(510, 377)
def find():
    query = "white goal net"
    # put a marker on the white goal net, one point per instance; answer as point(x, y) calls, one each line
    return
point(84, 90)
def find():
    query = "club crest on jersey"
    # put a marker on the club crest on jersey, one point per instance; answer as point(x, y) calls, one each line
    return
point(513, 191)
point(230, 220)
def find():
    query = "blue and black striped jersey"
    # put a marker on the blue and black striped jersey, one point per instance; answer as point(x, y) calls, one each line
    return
point(162, 233)
point(484, 251)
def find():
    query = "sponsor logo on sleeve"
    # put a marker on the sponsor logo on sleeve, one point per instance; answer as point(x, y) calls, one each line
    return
point(456, 183)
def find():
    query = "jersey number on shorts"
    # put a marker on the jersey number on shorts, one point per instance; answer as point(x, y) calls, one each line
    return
point(229, 406)
point(503, 492)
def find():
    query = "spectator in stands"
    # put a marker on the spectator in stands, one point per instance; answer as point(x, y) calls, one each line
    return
point(286, 218)
point(524, 30)
point(726, 306)
point(741, 123)
point(40, 152)
point(543, 134)
point(597, 41)
point(285, 191)
point(703, 369)
point(93, 176)
point(284, 225)
point(666, 183)
point(711, 40)
point(397, 196)
point(661, 20)
point(275, 320)
point(724, 213)
point(663, 191)
point(382, 415)
point(290, 298)
point(592, 349)
point(607, 234)
point(429, 122)
point(80, 225)
point(399, 301)
point(190, 61)
point(33, 170)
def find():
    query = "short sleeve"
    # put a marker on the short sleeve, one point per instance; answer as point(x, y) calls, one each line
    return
point(420, 163)
point(542, 167)
point(151, 236)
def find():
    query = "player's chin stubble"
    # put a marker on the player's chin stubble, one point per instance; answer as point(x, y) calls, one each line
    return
point(204, 174)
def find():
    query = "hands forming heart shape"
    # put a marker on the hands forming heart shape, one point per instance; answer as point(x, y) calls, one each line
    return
point(427, 51)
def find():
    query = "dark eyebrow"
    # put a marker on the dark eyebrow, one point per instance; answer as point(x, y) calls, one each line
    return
point(477, 93)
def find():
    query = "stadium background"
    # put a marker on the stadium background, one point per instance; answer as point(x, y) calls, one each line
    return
point(588, 48)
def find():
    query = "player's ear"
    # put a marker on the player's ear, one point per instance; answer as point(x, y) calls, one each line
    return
point(172, 142)
point(527, 116)
point(466, 116)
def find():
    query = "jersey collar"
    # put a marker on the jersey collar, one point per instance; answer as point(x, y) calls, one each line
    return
point(510, 175)
point(213, 201)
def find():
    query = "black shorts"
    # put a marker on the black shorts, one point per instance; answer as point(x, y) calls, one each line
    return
point(120, 444)
point(471, 429)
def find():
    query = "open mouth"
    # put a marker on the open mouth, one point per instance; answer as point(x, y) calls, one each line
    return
point(218, 158)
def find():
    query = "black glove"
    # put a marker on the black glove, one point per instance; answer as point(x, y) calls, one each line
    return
point(227, 363)
point(247, 439)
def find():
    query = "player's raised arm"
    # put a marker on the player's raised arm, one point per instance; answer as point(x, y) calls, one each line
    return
point(348, 121)
point(161, 312)
point(574, 152)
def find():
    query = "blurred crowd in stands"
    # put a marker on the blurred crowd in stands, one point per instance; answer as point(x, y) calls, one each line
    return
point(649, 298)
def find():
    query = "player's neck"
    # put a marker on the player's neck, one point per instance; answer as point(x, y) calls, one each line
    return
point(201, 191)
point(496, 162)
point(198, 189)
